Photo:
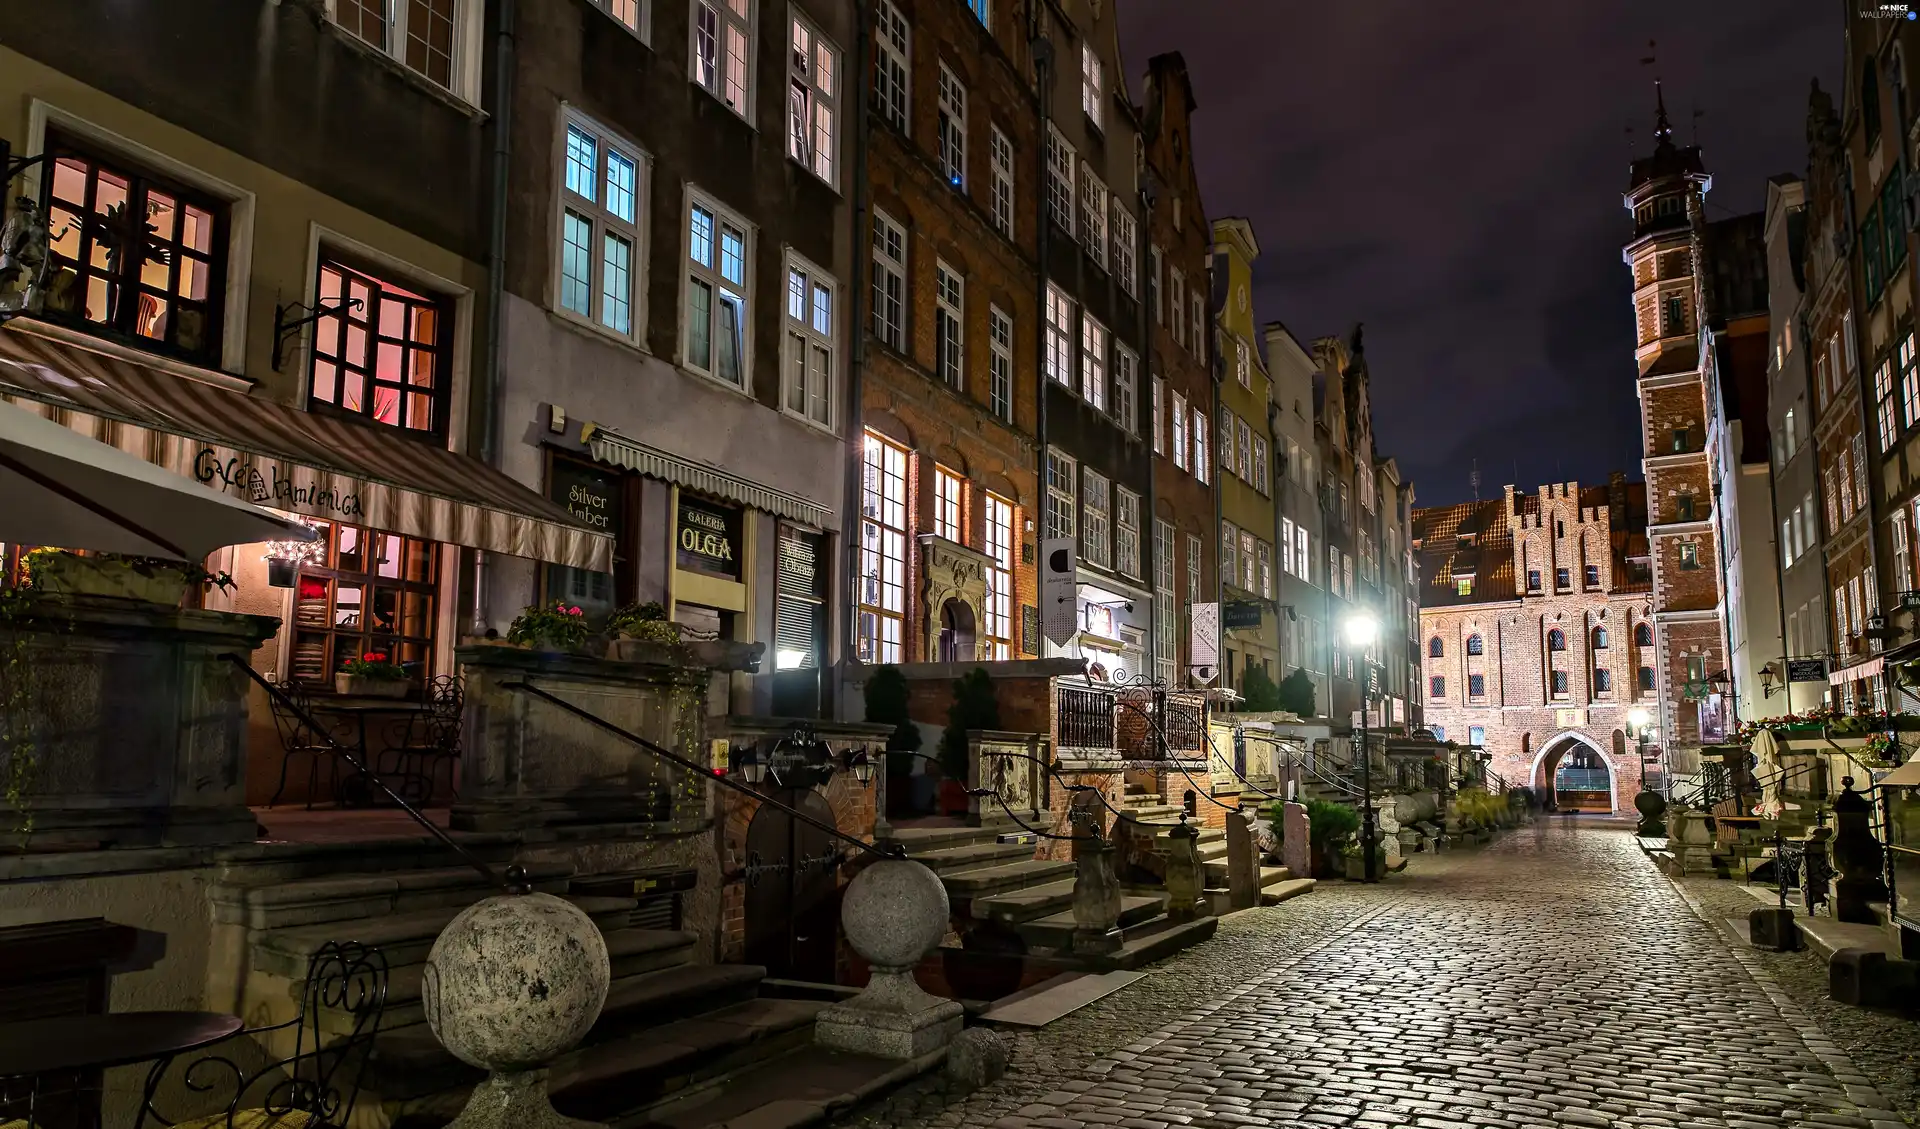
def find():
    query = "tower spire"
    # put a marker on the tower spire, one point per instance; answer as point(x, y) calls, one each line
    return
point(1662, 128)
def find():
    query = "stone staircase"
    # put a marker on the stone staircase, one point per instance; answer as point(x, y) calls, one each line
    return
point(672, 1028)
point(1277, 883)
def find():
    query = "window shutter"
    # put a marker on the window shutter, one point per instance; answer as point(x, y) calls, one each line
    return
point(797, 608)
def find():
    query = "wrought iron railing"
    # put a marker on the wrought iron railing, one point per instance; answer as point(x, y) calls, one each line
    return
point(1083, 717)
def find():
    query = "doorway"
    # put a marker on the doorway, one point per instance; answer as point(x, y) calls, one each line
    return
point(793, 890)
point(956, 632)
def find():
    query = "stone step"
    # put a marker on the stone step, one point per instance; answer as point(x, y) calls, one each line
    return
point(1272, 894)
point(965, 886)
point(403, 938)
point(631, 952)
point(1156, 813)
point(973, 856)
point(345, 897)
point(411, 1063)
point(1156, 940)
point(1055, 932)
point(1016, 906)
point(919, 839)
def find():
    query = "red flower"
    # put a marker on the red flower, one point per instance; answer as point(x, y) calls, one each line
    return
point(574, 611)
point(373, 657)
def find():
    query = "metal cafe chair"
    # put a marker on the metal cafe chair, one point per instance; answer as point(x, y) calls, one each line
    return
point(434, 738)
point(297, 738)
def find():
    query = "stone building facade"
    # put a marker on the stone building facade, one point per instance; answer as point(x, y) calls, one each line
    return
point(1537, 620)
point(1304, 628)
point(1249, 517)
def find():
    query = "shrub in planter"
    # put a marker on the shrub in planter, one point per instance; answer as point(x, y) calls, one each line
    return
point(146, 579)
point(642, 631)
point(373, 675)
point(558, 628)
point(1332, 825)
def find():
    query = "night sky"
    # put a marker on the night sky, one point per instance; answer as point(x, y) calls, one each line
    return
point(1450, 174)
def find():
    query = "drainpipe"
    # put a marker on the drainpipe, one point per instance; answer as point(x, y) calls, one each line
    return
point(855, 413)
point(1143, 393)
point(1043, 67)
point(496, 280)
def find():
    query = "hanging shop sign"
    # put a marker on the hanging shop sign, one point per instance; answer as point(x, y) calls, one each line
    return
point(708, 538)
point(591, 496)
point(1807, 670)
point(1237, 614)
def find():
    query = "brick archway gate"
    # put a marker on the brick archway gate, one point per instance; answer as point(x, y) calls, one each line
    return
point(1541, 774)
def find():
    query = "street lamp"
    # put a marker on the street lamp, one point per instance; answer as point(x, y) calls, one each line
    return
point(1362, 632)
point(1638, 719)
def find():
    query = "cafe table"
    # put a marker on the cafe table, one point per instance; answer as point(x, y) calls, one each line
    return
point(359, 711)
point(73, 1046)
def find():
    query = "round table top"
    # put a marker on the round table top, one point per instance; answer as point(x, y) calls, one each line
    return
point(81, 1042)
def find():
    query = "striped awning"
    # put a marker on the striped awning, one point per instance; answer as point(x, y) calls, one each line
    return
point(1858, 672)
point(611, 447)
point(318, 465)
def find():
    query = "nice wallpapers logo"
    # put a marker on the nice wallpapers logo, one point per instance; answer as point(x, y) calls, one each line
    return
point(1890, 12)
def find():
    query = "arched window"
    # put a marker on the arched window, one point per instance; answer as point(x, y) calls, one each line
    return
point(1870, 100)
point(1475, 646)
point(1643, 635)
point(1435, 648)
point(1556, 640)
point(1599, 638)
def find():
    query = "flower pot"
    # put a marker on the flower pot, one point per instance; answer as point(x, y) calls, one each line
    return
point(360, 686)
point(67, 575)
point(630, 650)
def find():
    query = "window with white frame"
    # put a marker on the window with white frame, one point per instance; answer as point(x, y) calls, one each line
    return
point(809, 342)
point(1000, 363)
point(1155, 297)
point(1062, 498)
point(1195, 574)
point(1059, 336)
point(1096, 500)
point(1200, 444)
point(1125, 233)
point(1093, 83)
point(1249, 563)
point(1200, 330)
point(1226, 440)
point(952, 135)
point(426, 36)
point(1909, 384)
point(949, 346)
point(1243, 452)
point(1242, 362)
point(981, 12)
point(892, 68)
point(999, 549)
point(719, 247)
point(1179, 417)
point(1159, 409)
point(1177, 302)
point(1303, 552)
point(723, 50)
point(1060, 180)
point(1260, 481)
point(1229, 553)
point(889, 281)
point(813, 105)
point(1093, 214)
point(883, 551)
point(1286, 545)
point(949, 510)
point(1126, 532)
point(600, 264)
point(1902, 554)
point(634, 15)
point(1000, 162)
point(1093, 362)
point(1126, 407)
point(1166, 620)
point(1265, 552)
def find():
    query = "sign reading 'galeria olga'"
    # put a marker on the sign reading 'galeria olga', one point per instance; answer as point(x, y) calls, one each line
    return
point(707, 538)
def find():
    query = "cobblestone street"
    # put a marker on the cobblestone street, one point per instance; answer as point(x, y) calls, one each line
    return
point(1553, 978)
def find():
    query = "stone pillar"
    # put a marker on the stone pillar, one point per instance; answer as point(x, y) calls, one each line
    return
point(1296, 840)
point(1096, 899)
point(1243, 862)
point(1184, 875)
point(894, 914)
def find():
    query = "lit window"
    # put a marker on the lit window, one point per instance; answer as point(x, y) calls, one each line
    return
point(953, 129)
point(1286, 546)
point(419, 33)
point(1463, 586)
point(813, 74)
point(1126, 408)
point(1265, 552)
point(948, 489)
point(718, 250)
point(1200, 444)
point(883, 551)
point(1194, 569)
point(1883, 396)
point(892, 69)
point(630, 14)
point(1000, 363)
point(1243, 451)
point(999, 551)
point(1093, 81)
point(722, 38)
point(1179, 417)
point(1093, 362)
point(980, 11)
point(1260, 465)
point(1126, 232)
point(1242, 363)
point(1126, 531)
point(949, 343)
point(808, 362)
point(388, 358)
point(1159, 407)
point(1060, 180)
point(1095, 501)
point(1689, 555)
point(1059, 336)
point(599, 270)
point(889, 281)
point(1166, 616)
point(1093, 215)
point(366, 591)
point(1061, 497)
point(1248, 562)
point(1000, 159)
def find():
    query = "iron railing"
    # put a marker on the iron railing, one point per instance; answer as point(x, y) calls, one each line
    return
point(1084, 717)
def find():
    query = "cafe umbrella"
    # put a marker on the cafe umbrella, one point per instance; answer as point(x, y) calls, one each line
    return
point(58, 487)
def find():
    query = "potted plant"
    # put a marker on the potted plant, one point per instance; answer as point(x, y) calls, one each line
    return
point(974, 706)
point(560, 628)
point(145, 579)
point(1330, 826)
point(372, 675)
point(643, 633)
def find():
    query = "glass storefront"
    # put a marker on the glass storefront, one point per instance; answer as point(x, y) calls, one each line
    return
point(368, 592)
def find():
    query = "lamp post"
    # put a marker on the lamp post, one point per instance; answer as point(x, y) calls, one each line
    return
point(1638, 719)
point(1362, 631)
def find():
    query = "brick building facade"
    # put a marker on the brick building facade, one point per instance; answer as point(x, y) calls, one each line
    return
point(1537, 620)
point(949, 323)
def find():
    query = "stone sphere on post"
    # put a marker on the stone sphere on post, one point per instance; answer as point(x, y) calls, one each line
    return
point(512, 983)
point(894, 913)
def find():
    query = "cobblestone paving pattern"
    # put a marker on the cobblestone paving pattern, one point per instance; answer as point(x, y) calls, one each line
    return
point(1551, 979)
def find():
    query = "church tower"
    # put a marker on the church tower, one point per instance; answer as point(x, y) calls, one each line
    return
point(1672, 310)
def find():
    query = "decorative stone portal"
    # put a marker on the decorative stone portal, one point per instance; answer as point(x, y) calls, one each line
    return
point(955, 598)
